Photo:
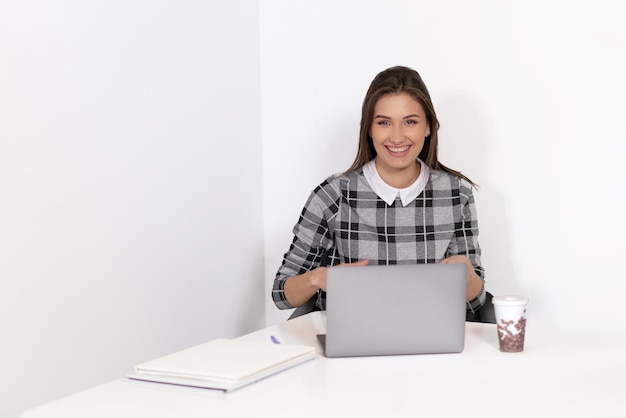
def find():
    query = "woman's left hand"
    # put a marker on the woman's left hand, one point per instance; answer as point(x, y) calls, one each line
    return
point(474, 282)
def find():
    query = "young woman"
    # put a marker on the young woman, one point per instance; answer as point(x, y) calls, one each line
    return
point(397, 204)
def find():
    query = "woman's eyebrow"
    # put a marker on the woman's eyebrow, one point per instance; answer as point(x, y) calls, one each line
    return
point(413, 115)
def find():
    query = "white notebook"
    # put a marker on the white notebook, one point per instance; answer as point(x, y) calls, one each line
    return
point(223, 364)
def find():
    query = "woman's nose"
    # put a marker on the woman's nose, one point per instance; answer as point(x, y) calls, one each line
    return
point(397, 135)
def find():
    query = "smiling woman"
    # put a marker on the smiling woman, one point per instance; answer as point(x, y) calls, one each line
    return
point(396, 204)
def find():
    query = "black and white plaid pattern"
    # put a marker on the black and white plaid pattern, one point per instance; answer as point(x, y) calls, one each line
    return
point(345, 221)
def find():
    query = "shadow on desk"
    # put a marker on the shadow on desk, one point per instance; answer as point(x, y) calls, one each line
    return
point(485, 314)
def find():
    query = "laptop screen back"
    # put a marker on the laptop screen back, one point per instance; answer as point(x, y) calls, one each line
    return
point(395, 309)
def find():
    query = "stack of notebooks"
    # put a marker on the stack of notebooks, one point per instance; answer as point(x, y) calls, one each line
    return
point(223, 364)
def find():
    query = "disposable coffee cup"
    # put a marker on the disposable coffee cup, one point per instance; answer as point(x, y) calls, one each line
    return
point(511, 322)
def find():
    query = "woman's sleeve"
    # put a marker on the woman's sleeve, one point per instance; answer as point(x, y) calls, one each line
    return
point(312, 237)
point(465, 241)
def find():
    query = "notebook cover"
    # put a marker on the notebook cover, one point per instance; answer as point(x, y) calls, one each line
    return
point(224, 364)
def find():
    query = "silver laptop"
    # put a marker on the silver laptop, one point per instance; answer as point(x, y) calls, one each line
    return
point(395, 309)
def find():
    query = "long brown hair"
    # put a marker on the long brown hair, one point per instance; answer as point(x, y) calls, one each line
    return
point(399, 80)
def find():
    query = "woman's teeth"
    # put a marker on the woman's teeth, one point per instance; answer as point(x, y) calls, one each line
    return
point(400, 149)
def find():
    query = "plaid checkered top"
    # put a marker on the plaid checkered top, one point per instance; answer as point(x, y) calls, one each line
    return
point(345, 221)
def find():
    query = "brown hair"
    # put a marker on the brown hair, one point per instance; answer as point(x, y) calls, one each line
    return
point(399, 80)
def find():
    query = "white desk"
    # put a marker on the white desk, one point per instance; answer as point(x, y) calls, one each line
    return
point(556, 376)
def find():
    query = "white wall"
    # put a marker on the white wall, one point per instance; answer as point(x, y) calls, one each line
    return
point(130, 191)
point(530, 98)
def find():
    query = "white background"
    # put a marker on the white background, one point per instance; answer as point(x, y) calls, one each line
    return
point(154, 157)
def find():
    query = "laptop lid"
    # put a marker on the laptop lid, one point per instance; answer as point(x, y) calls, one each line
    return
point(395, 309)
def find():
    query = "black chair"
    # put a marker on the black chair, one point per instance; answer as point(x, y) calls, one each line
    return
point(485, 314)
point(308, 307)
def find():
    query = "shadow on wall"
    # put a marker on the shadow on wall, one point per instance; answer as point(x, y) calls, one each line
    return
point(467, 144)
point(253, 297)
point(341, 145)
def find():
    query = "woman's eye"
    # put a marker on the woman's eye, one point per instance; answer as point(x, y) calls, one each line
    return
point(411, 122)
point(383, 123)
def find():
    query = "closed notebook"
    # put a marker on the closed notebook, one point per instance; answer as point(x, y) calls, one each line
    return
point(223, 364)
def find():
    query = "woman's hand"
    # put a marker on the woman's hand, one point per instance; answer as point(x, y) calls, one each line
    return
point(299, 289)
point(474, 282)
point(318, 279)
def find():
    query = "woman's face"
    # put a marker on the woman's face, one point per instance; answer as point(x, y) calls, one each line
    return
point(398, 131)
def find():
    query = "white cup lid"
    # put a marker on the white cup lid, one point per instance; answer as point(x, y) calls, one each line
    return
point(510, 300)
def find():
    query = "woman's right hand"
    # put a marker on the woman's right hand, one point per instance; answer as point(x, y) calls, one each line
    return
point(299, 289)
point(318, 276)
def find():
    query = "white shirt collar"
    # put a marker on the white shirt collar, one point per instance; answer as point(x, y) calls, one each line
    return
point(388, 193)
